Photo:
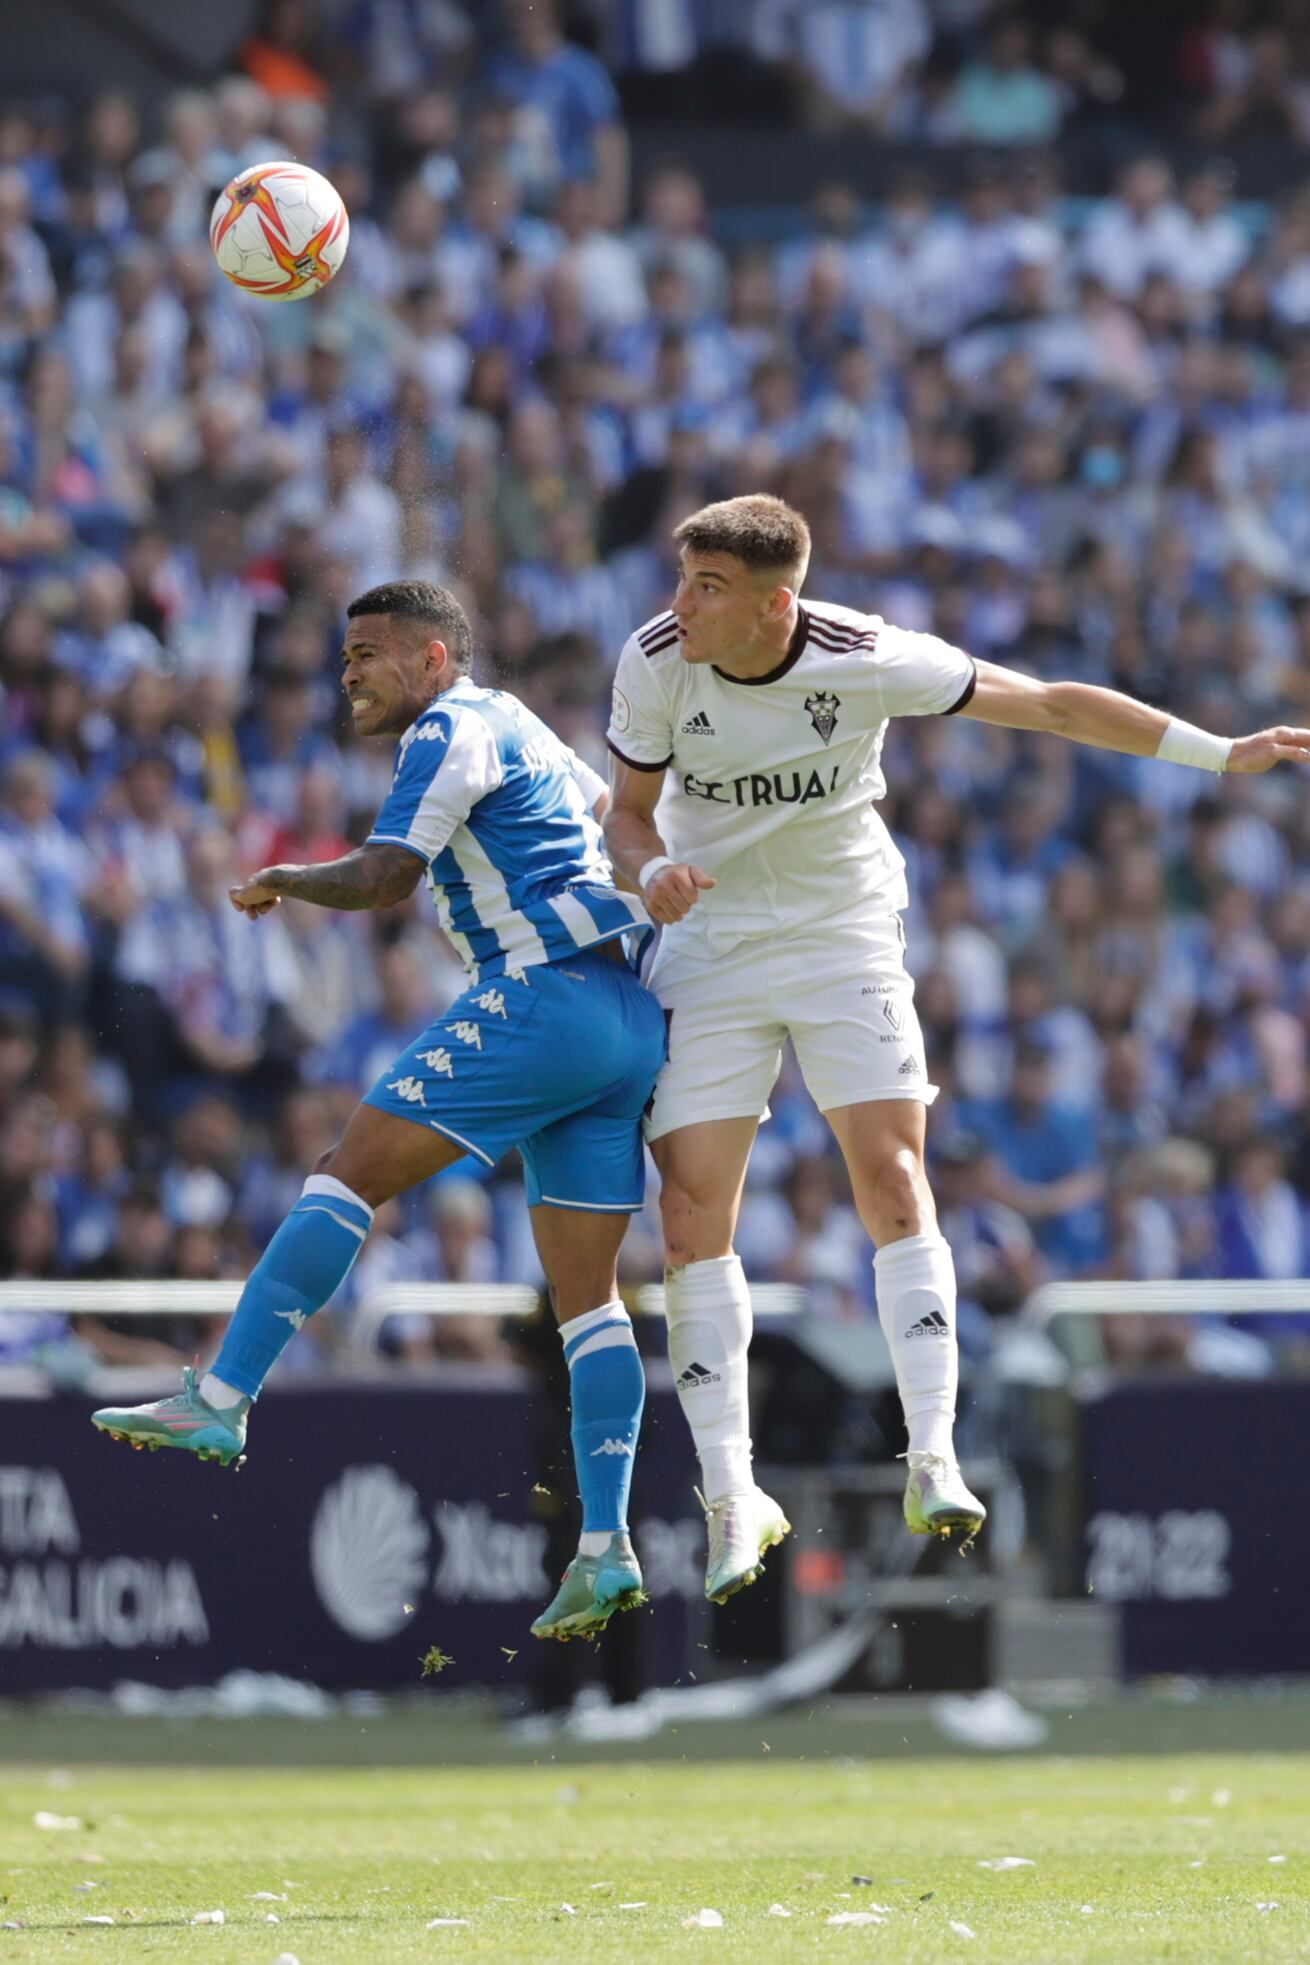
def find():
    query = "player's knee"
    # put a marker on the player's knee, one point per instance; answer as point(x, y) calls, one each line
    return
point(694, 1231)
point(900, 1192)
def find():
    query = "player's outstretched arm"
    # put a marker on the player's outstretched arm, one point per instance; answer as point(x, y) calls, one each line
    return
point(374, 875)
point(1110, 721)
point(669, 888)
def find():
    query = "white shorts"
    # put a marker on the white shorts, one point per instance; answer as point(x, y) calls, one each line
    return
point(843, 996)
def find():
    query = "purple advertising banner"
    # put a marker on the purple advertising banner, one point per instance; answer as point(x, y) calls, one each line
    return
point(368, 1524)
point(1197, 1525)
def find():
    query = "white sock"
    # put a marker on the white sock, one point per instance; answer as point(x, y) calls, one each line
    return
point(916, 1308)
point(215, 1393)
point(708, 1307)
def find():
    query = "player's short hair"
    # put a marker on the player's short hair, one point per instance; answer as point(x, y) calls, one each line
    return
point(763, 532)
point(423, 601)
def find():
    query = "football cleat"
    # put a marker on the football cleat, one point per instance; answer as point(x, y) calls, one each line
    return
point(741, 1528)
point(594, 1587)
point(185, 1420)
point(937, 1502)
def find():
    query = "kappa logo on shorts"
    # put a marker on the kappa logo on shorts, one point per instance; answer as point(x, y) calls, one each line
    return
point(468, 1033)
point(492, 1001)
point(410, 1089)
point(439, 1061)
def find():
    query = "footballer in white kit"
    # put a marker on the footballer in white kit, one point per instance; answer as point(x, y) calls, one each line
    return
point(747, 732)
point(770, 787)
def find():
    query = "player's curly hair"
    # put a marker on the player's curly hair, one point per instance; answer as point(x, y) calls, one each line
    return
point(422, 600)
point(762, 532)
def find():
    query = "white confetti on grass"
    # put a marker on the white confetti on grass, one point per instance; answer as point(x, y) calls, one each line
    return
point(43, 1819)
point(1278, 1859)
point(1007, 1862)
point(210, 1917)
point(962, 1930)
point(640, 1906)
point(1221, 1797)
point(97, 1920)
point(269, 1897)
point(1268, 1906)
point(856, 1917)
point(777, 1910)
point(444, 1923)
point(704, 1920)
point(286, 1958)
point(271, 1917)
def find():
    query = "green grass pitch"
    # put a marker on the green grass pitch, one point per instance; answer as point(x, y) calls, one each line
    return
point(1170, 1855)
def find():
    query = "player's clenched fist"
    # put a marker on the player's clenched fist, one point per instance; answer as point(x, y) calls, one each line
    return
point(252, 897)
point(674, 891)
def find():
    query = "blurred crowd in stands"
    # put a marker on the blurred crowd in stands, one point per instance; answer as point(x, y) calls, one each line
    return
point(1070, 434)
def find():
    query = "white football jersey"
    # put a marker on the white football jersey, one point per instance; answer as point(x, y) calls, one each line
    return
point(771, 781)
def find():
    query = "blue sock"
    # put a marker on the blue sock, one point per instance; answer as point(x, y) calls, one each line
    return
point(303, 1266)
point(608, 1390)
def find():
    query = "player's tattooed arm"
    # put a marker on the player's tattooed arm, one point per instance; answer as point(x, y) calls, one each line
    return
point(375, 875)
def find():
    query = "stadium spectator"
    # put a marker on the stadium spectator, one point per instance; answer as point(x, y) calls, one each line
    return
point(1003, 98)
point(1047, 1168)
point(568, 111)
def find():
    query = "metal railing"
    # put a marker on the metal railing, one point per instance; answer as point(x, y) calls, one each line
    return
point(1130, 1299)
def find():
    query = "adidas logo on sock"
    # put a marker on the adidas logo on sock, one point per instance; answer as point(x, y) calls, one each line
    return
point(699, 726)
point(696, 1377)
point(933, 1325)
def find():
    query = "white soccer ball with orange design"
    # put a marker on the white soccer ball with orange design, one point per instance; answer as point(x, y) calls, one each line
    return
point(279, 230)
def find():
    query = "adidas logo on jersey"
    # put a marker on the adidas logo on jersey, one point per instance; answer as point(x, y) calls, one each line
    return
point(933, 1325)
point(699, 726)
point(696, 1378)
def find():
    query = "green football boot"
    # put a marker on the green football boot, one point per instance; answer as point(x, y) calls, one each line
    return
point(937, 1502)
point(185, 1420)
point(741, 1528)
point(594, 1587)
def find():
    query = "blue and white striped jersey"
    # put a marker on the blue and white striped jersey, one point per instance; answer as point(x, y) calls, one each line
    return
point(500, 812)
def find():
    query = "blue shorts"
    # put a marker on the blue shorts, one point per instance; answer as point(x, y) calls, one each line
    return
point(559, 1060)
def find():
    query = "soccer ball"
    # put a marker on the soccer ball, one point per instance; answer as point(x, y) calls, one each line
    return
point(279, 230)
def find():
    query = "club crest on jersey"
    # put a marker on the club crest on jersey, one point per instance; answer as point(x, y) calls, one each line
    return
point(823, 708)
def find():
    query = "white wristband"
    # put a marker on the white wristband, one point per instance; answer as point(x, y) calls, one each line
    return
point(1183, 743)
point(652, 867)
